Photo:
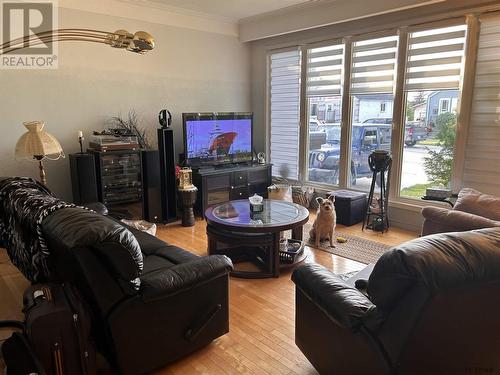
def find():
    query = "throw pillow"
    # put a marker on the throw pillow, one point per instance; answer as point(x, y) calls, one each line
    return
point(475, 202)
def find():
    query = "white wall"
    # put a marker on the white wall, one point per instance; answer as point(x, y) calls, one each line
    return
point(189, 70)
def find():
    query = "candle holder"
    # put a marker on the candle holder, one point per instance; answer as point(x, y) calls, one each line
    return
point(80, 141)
point(185, 178)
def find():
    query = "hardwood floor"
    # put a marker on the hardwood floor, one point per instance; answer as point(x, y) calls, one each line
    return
point(261, 337)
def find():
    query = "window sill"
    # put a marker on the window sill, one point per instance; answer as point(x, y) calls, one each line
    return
point(414, 205)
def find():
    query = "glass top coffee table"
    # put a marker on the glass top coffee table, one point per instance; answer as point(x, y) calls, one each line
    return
point(235, 231)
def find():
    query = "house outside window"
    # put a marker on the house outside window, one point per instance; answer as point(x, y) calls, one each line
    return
point(440, 101)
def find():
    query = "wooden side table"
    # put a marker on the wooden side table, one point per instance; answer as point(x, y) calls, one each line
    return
point(244, 236)
point(451, 200)
point(188, 198)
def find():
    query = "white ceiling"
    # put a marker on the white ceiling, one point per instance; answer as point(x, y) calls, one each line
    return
point(231, 9)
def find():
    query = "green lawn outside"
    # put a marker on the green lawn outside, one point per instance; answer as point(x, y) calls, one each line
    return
point(415, 191)
point(429, 142)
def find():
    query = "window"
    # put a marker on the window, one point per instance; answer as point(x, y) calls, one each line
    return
point(444, 105)
point(324, 74)
point(432, 80)
point(433, 64)
point(372, 86)
point(285, 113)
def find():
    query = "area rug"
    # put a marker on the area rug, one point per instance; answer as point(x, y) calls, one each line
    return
point(356, 248)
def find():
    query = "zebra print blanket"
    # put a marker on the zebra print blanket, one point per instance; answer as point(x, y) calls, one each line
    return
point(24, 204)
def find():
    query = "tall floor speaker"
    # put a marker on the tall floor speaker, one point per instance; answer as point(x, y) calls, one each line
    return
point(83, 178)
point(167, 173)
point(151, 186)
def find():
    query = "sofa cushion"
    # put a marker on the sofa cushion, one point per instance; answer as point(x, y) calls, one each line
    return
point(70, 229)
point(436, 262)
point(475, 202)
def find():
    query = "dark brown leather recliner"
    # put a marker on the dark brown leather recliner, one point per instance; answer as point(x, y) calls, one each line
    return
point(152, 302)
point(432, 306)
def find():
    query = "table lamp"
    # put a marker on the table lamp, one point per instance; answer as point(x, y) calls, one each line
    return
point(38, 145)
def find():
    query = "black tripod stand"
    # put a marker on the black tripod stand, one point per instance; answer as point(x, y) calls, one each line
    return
point(376, 212)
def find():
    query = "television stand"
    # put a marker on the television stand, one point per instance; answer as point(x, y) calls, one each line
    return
point(219, 184)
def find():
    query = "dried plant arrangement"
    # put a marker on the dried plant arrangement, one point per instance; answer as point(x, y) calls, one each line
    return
point(131, 126)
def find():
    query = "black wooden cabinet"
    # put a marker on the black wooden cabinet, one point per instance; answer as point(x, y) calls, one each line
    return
point(128, 182)
point(221, 184)
point(119, 181)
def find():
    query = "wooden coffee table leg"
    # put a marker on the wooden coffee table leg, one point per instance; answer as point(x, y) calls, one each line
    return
point(297, 233)
point(275, 255)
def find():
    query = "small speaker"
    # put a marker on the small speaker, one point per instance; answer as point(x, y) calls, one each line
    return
point(167, 173)
point(83, 178)
point(151, 186)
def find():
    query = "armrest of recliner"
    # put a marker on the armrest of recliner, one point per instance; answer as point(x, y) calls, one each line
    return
point(165, 282)
point(343, 303)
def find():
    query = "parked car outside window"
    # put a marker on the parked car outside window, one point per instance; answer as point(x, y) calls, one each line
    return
point(366, 138)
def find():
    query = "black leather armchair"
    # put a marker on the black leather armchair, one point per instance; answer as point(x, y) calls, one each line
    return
point(152, 303)
point(431, 307)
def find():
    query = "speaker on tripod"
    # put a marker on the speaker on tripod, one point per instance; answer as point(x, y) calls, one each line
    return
point(376, 217)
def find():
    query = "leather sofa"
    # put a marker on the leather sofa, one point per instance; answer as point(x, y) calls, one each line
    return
point(152, 302)
point(472, 210)
point(431, 307)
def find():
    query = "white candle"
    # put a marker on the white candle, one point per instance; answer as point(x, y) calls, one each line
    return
point(80, 134)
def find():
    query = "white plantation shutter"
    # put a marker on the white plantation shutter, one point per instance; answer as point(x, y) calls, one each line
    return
point(435, 59)
point(324, 70)
point(373, 66)
point(482, 156)
point(285, 113)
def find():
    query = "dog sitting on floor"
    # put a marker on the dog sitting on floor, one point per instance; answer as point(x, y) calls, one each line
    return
point(326, 220)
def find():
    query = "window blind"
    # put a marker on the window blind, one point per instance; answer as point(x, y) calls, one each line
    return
point(373, 65)
point(482, 156)
point(434, 59)
point(324, 70)
point(285, 113)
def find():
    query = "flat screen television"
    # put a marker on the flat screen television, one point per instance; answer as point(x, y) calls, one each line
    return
point(217, 138)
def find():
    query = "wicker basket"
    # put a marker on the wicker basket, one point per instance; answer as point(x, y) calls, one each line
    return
point(291, 251)
point(280, 190)
point(302, 195)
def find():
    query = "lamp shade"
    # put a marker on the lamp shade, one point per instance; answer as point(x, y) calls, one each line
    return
point(37, 144)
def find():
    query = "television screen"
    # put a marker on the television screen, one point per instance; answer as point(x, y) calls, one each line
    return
point(217, 137)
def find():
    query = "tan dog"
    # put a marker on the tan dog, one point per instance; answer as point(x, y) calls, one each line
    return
point(326, 220)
